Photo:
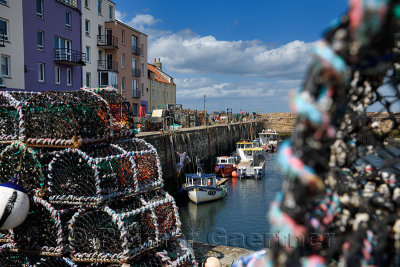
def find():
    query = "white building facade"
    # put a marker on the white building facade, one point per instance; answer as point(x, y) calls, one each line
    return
point(101, 69)
point(11, 45)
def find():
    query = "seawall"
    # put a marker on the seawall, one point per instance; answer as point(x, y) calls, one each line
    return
point(203, 142)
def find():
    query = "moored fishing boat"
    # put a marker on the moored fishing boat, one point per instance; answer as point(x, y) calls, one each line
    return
point(269, 140)
point(204, 187)
point(251, 163)
point(225, 165)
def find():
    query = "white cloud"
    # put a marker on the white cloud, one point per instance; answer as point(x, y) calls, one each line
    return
point(120, 15)
point(186, 52)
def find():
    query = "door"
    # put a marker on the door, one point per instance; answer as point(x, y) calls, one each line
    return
point(109, 37)
point(109, 61)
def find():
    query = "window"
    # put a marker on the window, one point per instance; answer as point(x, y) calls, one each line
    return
point(134, 44)
point(134, 89)
point(69, 77)
point(39, 37)
point(110, 12)
point(142, 89)
point(123, 84)
point(58, 75)
point(99, 6)
point(99, 31)
point(153, 95)
point(68, 20)
point(123, 61)
point(87, 53)
point(142, 69)
point(4, 2)
point(134, 66)
point(63, 48)
point(88, 77)
point(142, 49)
point(87, 27)
point(122, 36)
point(41, 72)
point(5, 66)
point(100, 55)
point(87, 3)
point(39, 8)
point(4, 30)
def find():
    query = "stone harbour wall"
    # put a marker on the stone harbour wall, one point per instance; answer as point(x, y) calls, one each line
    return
point(204, 142)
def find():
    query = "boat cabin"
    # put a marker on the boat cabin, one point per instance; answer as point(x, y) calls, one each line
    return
point(268, 137)
point(225, 160)
point(244, 144)
point(201, 180)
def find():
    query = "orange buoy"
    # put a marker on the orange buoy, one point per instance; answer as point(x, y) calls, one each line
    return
point(234, 174)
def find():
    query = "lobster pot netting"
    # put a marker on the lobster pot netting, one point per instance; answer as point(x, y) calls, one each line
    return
point(57, 119)
point(341, 200)
point(120, 107)
point(121, 230)
point(147, 160)
point(24, 163)
point(41, 233)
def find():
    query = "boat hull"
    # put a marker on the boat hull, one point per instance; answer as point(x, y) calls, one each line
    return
point(224, 170)
point(202, 195)
point(246, 170)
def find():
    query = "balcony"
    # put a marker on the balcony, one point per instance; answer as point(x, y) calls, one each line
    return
point(69, 57)
point(107, 41)
point(107, 65)
point(136, 93)
point(69, 3)
point(136, 50)
point(136, 72)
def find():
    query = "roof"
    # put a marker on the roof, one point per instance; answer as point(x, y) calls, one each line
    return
point(244, 142)
point(129, 27)
point(202, 176)
point(158, 74)
point(252, 149)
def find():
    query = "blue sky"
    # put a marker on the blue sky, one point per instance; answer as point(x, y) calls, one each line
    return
point(247, 55)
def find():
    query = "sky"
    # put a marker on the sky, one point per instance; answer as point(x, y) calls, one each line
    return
point(244, 55)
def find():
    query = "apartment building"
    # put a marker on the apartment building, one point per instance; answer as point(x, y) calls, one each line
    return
point(53, 58)
point(129, 62)
point(98, 43)
point(11, 45)
point(161, 87)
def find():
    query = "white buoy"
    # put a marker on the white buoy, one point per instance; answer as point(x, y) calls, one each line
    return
point(14, 205)
point(212, 262)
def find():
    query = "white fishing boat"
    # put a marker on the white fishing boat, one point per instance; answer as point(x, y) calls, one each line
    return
point(269, 140)
point(204, 187)
point(252, 161)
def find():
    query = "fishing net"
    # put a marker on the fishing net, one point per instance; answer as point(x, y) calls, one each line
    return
point(340, 201)
point(96, 196)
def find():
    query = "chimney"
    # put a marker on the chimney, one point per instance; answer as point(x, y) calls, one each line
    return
point(158, 64)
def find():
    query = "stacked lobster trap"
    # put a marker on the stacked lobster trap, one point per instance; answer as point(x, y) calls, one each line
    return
point(96, 192)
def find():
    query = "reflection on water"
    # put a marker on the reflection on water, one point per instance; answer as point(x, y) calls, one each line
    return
point(241, 218)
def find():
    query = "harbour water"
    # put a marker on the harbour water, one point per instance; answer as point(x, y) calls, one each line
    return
point(240, 219)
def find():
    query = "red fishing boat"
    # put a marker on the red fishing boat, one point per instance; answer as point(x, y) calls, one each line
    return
point(225, 166)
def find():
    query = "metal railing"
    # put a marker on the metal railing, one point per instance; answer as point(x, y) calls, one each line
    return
point(71, 3)
point(136, 93)
point(107, 40)
point(136, 72)
point(107, 65)
point(136, 50)
point(69, 56)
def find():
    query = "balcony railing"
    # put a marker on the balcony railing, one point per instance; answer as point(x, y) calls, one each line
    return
point(136, 72)
point(2, 37)
point(136, 93)
point(70, 3)
point(107, 41)
point(107, 65)
point(69, 57)
point(136, 50)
